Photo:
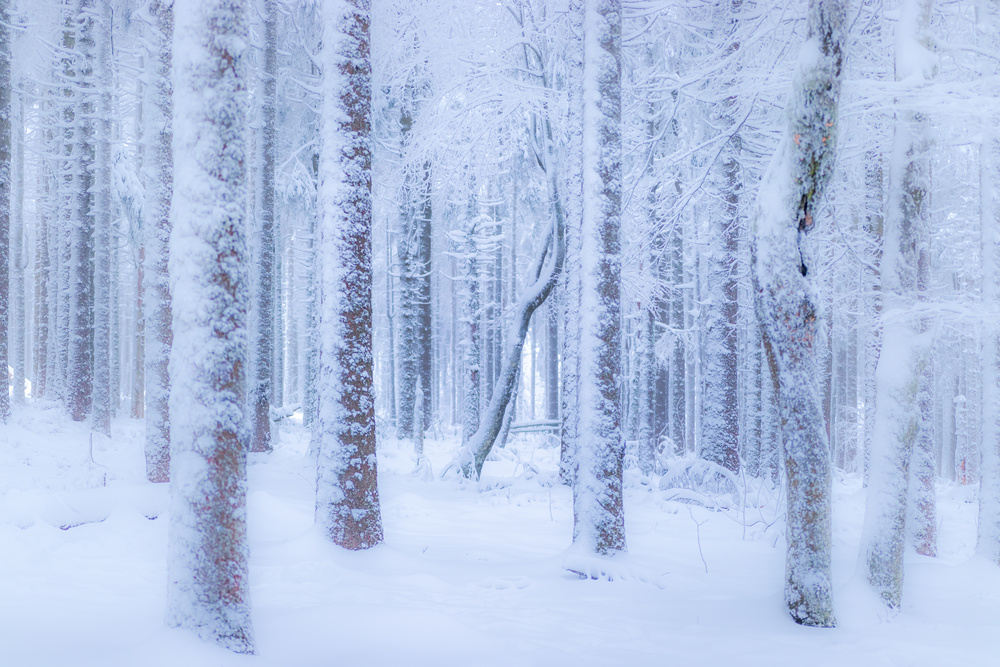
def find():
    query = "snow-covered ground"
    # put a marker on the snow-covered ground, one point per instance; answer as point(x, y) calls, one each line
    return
point(468, 575)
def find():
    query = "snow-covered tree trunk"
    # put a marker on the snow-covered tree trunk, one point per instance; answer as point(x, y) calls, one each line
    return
point(60, 240)
point(988, 542)
point(260, 394)
point(103, 242)
point(551, 357)
point(720, 404)
point(569, 281)
point(787, 302)
point(903, 360)
point(922, 512)
point(138, 379)
point(415, 341)
point(159, 177)
point(208, 583)
point(310, 390)
point(547, 267)
point(598, 512)
point(646, 403)
point(80, 351)
point(418, 419)
point(60, 243)
point(347, 501)
point(5, 182)
point(18, 260)
point(470, 337)
point(424, 335)
point(677, 359)
point(872, 298)
point(570, 301)
point(44, 270)
point(40, 341)
point(391, 312)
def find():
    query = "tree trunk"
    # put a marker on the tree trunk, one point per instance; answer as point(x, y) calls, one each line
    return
point(785, 292)
point(60, 241)
point(899, 418)
point(80, 365)
point(720, 406)
point(598, 512)
point(347, 500)
point(5, 183)
point(138, 399)
point(260, 395)
point(310, 399)
point(988, 542)
point(569, 281)
point(548, 264)
point(552, 359)
point(159, 176)
point(415, 343)
point(102, 243)
point(471, 339)
point(43, 305)
point(208, 582)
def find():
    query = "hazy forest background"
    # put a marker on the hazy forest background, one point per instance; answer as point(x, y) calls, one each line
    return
point(539, 331)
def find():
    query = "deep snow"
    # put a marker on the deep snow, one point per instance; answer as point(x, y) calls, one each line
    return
point(468, 575)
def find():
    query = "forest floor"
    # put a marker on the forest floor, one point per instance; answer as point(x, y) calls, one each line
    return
point(470, 574)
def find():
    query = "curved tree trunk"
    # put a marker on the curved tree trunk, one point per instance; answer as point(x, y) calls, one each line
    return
point(547, 268)
point(785, 299)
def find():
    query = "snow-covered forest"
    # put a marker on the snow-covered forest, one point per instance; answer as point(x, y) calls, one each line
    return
point(500, 332)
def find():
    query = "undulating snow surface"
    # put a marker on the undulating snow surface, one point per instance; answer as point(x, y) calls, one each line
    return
point(468, 575)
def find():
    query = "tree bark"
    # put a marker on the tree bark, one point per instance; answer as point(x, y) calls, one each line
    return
point(260, 395)
point(80, 350)
point(18, 260)
point(5, 183)
point(988, 542)
point(785, 300)
point(159, 176)
point(899, 419)
point(102, 397)
point(347, 500)
point(598, 512)
point(208, 576)
point(471, 337)
point(720, 405)
point(569, 281)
